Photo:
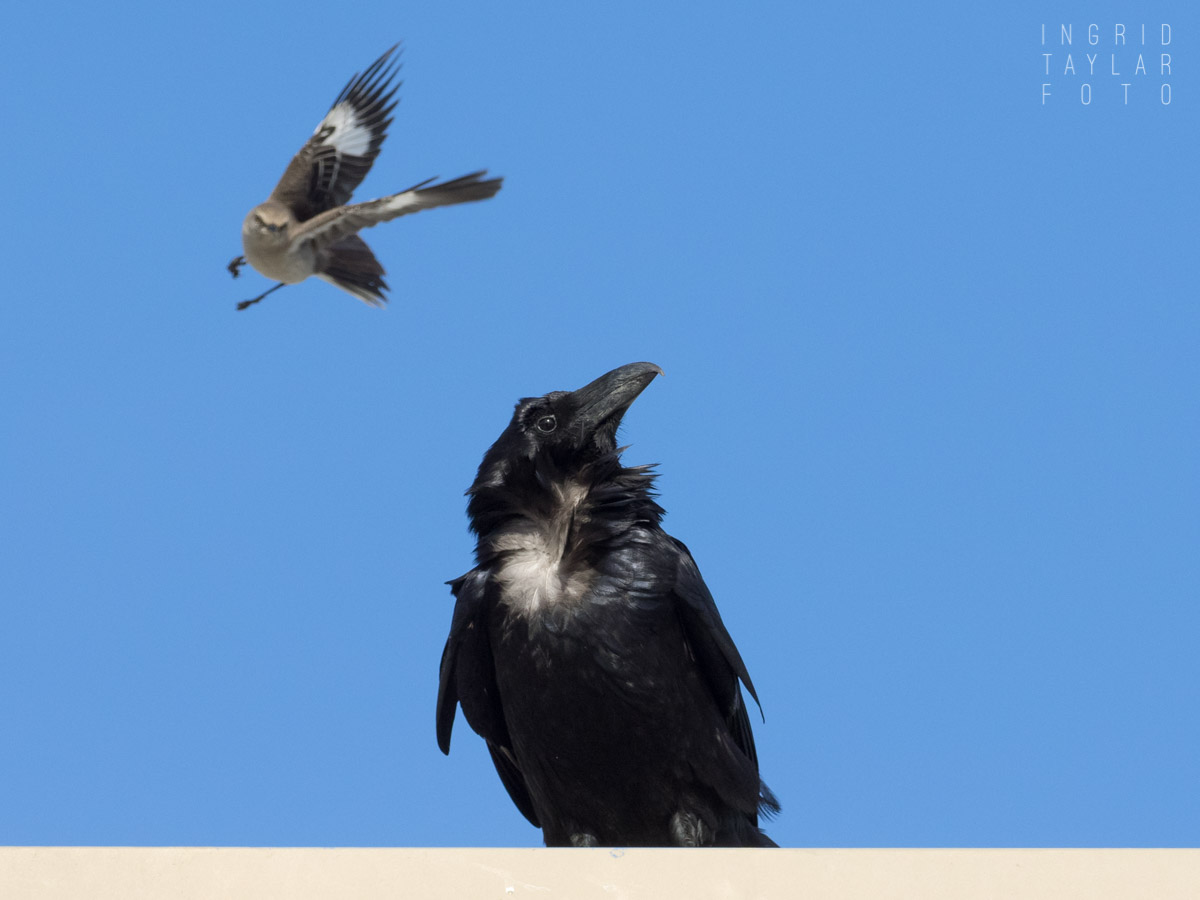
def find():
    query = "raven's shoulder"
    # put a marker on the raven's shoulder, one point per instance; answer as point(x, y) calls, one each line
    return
point(698, 604)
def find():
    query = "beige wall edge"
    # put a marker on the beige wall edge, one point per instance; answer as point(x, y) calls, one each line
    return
point(131, 873)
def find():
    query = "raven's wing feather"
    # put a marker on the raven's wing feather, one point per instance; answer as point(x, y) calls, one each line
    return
point(513, 780)
point(718, 659)
point(468, 678)
point(715, 652)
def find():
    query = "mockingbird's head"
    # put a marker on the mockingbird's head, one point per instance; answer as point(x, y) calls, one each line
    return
point(268, 222)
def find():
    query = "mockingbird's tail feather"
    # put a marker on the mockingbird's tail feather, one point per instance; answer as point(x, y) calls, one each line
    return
point(344, 260)
point(352, 267)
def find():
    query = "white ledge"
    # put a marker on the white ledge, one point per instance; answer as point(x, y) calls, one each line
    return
point(183, 873)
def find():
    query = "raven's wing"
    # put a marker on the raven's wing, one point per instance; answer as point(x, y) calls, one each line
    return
point(468, 677)
point(340, 152)
point(716, 654)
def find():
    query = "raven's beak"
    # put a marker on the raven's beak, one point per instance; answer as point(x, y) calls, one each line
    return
point(601, 404)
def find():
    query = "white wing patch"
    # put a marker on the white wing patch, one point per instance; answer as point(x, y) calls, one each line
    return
point(349, 135)
point(401, 202)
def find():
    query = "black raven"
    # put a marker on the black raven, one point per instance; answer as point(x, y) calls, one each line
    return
point(585, 647)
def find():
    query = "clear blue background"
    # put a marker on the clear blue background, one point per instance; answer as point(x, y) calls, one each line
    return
point(930, 423)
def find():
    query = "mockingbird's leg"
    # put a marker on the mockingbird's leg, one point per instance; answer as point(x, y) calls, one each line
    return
point(235, 265)
point(246, 303)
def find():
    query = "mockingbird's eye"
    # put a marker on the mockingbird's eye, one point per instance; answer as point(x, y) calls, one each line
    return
point(546, 424)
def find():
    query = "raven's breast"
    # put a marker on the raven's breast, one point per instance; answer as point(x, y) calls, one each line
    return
point(606, 713)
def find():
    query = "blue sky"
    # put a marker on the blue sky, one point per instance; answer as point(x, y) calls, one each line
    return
point(930, 422)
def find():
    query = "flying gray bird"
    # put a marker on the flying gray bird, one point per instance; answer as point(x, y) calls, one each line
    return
point(585, 647)
point(308, 227)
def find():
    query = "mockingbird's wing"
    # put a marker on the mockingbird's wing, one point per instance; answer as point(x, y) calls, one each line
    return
point(332, 226)
point(338, 156)
point(344, 259)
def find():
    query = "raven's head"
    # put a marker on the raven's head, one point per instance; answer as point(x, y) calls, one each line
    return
point(564, 431)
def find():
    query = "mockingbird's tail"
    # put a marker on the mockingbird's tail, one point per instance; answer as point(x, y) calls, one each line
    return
point(351, 266)
point(344, 259)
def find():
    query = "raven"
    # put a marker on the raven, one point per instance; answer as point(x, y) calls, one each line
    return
point(585, 647)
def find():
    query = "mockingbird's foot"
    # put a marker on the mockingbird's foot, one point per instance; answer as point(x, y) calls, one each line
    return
point(235, 265)
point(254, 300)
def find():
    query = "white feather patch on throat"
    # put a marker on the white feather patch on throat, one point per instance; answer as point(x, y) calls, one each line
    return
point(349, 135)
point(532, 574)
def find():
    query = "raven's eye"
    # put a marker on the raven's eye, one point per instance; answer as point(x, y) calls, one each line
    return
point(547, 424)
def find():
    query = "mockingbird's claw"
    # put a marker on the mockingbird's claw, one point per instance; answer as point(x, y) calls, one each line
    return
point(235, 265)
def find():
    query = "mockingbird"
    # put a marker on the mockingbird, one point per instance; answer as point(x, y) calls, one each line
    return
point(308, 227)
